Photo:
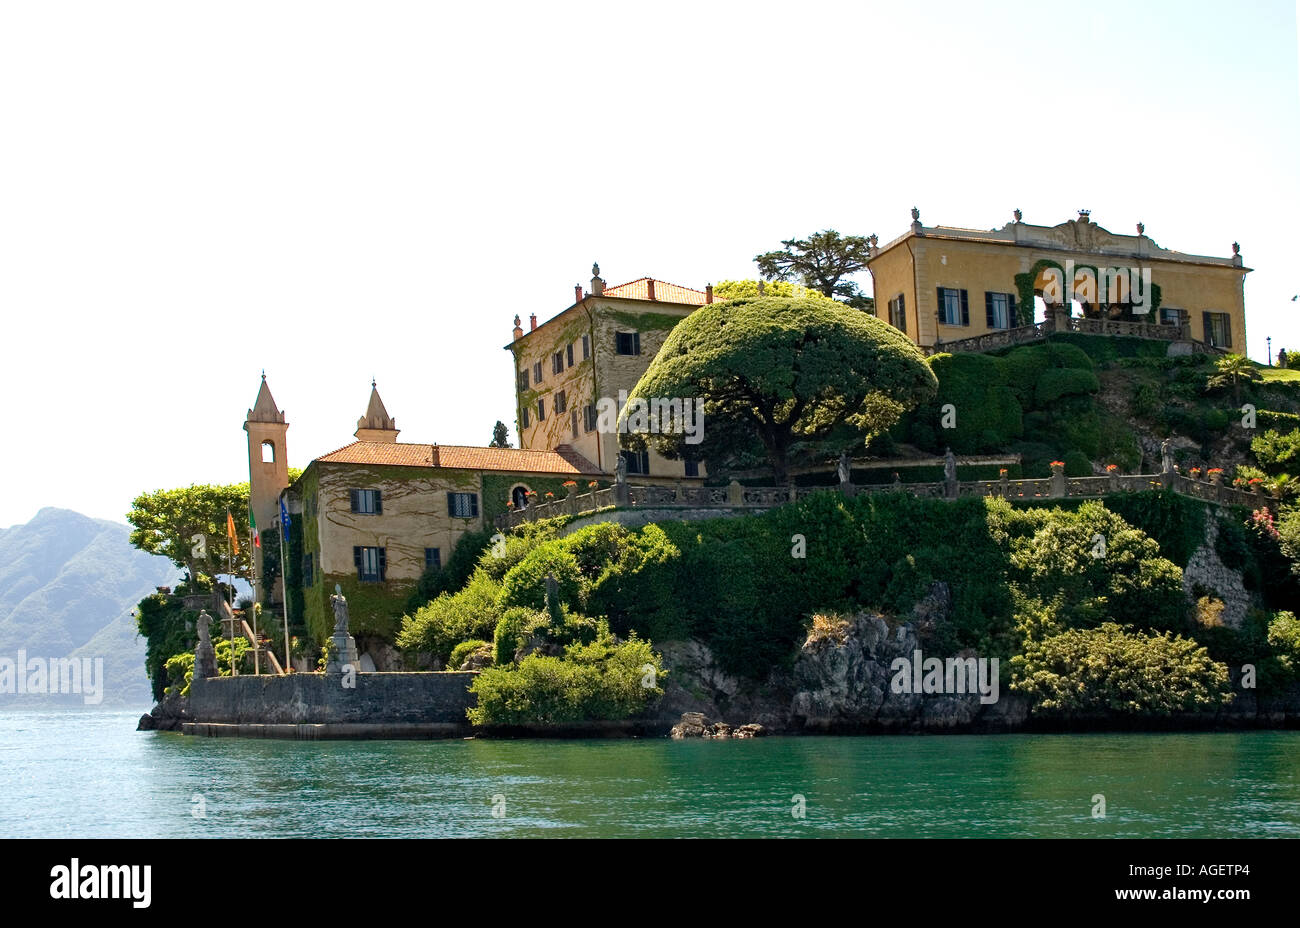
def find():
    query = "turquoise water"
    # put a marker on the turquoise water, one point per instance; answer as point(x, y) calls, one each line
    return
point(89, 774)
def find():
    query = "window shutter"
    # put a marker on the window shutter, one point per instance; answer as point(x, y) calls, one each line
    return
point(1205, 328)
point(379, 502)
point(354, 497)
point(451, 504)
point(988, 309)
point(902, 314)
point(1011, 310)
point(939, 315)
point(965, 309)
point(636, 342)
point(568, 353)
point(473, 505)
point(383, 563)
point(1227, 331)
point(356, 556)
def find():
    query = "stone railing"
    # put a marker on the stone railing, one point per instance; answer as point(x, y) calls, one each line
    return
point(736, 496)
point(1058, 321)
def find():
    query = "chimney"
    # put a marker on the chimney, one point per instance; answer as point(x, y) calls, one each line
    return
point(577, 293)
point(518, 332)
point(532, 321)
point(650, 287)
point(708, 293)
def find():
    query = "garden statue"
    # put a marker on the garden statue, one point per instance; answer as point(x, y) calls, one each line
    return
point(1167, 456)
point(340, 604)
point(844, 471)
point(205, 656)
point(949, 466)
point(343, 652)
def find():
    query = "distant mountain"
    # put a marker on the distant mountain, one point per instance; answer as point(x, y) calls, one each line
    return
point(68, 586)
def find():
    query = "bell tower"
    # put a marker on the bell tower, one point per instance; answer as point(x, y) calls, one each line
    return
point(376, 424)
point(268, 475)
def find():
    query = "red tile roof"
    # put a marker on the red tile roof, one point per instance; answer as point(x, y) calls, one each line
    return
point(562, 460)
point(664, 292)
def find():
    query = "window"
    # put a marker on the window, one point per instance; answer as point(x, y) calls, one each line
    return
point(523, 414)
point(537, 372)
point(638, 462)
point(1170, 316)
point(523, 379)
point(367, 502)
point(557, 362)
point(561, 404)
point(268, 452)
point(692, 468)
point(627, 342)
point(573, 420)
point(953, 308)
point(586, 347)
point(589, 417)
point(308, 573)
point(1218, 329)
point(1000, 310)
point(568, 355)
point(371, 563)
point(432, 558)
point(541, 410)
point(462, 505)
point(898, 313)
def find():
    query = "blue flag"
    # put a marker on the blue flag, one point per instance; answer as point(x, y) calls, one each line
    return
point(284, 515)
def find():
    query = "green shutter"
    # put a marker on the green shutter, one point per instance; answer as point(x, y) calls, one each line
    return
point(988, 309)
point(1011, 310)
point(939, 314)
point(965, 310)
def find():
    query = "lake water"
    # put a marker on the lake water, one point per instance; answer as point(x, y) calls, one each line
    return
point(89, 774)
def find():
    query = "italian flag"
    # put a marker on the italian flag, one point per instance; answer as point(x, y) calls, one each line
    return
point(252, 523)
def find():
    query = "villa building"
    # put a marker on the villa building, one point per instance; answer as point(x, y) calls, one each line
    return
point(599, 345)
point(941, 284)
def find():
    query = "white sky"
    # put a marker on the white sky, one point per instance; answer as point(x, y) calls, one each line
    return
point(190, 193)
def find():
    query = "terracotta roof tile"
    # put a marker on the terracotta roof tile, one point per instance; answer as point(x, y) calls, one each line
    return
point(664, 292)
point(563, 460)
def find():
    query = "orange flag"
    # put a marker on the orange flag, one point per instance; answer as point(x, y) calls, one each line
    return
point(230, 531)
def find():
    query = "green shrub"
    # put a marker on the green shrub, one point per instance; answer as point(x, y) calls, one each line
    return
point(604, 680)
point(987, 412)
point(1077, 464)
point(1065, 381)
point(514, 627)
point(1110, 670)
point(1022, 367)
point(640, 590)
point(452, 618)
point(1284, 639)
point(525, 583)
point(464, 650)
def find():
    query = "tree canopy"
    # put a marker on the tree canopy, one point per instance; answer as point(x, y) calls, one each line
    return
point(166, 521)
point(822, 261)
point(782, 373)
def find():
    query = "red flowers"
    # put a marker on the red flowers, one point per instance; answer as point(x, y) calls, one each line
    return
point(1111, 468)
point(1058, 463)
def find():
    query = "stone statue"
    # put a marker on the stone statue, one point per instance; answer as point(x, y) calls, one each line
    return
point(949, 466)
point(620, 470)
point(205, 656)
point(340, 604)
point(1017, 214)
point(344, 652)
point(1167, 456)
point(844, 471)
point(1141, 229)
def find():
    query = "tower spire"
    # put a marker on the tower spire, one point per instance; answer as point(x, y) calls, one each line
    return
point(376, 424)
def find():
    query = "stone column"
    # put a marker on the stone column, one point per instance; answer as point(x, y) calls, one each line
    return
point(735, 494)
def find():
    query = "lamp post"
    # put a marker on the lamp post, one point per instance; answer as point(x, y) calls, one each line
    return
point(1270, 350)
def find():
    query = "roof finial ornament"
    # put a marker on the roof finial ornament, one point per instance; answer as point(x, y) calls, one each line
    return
point(1142, 229)
point(263, 373)
point(916, 214)
point(1236, 248)
point(595, 269)
point(372, 381)
point(1084, 214)
point(1016, 212)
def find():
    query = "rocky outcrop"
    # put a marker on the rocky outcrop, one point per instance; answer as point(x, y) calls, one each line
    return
point(478, 659)
point(170, 713)
point(1205, 570)
point(698, 725)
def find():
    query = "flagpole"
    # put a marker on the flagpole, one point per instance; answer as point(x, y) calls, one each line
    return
point(284, 581)
point(252, 572)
